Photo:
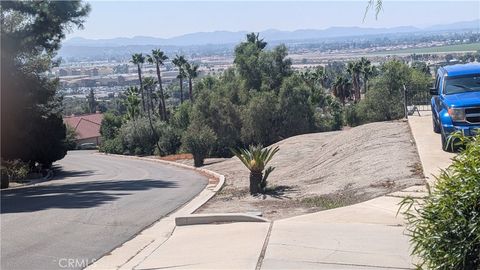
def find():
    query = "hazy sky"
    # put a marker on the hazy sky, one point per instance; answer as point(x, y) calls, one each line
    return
point(166, 19)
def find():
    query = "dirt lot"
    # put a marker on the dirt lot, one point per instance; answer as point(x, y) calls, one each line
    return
point(324, 170)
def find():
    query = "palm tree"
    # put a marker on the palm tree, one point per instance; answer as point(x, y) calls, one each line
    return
point(354, 69)
point(320, 75)
point(179, 62)
point(254, 39)
point(158, 57)
point(192, 73)
point(138, 59)
point(255, 158)
point(149, 86)
point(132, 102)
point(340, 89)
point(367, 71)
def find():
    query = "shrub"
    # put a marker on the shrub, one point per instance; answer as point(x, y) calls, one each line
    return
point(181, 118)
point(445, 227)
point(14, 170)
point(112, 146)
point(198, 140)
point(137, 137)
point(110, 126)
point(70, 138)
point(169, 141)
point(352, 116)
point(296, 112)
point(222, 116)
point(259, 119)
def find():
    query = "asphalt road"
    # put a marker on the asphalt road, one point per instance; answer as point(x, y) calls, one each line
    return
point(95, 204)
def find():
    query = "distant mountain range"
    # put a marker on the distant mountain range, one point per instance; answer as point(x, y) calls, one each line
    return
point(227, 37)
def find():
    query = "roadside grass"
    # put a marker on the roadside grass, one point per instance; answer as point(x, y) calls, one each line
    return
point(329, 201)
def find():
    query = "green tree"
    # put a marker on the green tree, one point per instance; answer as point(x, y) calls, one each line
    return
point(198, 140)
point(259, 119)
point(247, 55)
point(158, 58)
point(354, 69)
point(92, 102)
point(31, 31)
point(191, 72)
point(341, 89)
point(179, 62)
point(132, 103)
point(138, 59)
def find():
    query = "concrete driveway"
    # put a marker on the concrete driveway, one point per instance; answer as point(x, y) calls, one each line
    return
point(95, 203)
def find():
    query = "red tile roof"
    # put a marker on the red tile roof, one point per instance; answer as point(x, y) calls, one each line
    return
point(86, 126)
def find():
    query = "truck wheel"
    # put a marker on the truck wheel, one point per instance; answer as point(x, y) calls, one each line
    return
point(436, 127)
point(447, 146)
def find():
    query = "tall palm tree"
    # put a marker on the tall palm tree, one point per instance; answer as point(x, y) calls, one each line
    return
point(341, 89)
point(158, 57)
point(367, 71)
point(149, 86)
point(191, 72)
point(179, 62)
point(354, 69)
point(138, 59)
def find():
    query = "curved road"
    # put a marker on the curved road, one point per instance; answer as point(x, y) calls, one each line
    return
point(93, 205)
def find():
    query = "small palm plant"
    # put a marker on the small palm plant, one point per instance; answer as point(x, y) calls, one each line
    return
point(256, 158)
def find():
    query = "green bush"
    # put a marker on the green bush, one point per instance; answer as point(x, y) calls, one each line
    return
point(13, 170)
point(112, 146)
point(445, 227)
point(352, 116)
point(198, 140)
point(70, 138)
point(111, 123)
point(137, 137)
point(169, 141)
point(259, 119)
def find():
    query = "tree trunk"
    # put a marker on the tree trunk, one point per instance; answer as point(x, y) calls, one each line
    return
point(255, 181)
point(141, 86)
point(181, 90)
point(198, 160)
point(5, 182)
point(154, 132)
point(161, 104)
point(190, 89)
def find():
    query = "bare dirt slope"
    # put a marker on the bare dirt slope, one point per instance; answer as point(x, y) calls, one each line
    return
point(325, 170)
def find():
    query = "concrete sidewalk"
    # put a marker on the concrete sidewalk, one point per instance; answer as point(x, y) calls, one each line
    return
point(367, 235)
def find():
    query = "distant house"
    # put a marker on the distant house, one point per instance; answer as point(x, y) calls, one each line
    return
point(87, 127)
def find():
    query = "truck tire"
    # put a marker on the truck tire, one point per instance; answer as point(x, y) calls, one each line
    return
point(448, 146)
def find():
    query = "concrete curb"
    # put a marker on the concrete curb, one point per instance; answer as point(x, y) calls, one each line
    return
point(137, 249)
point(220, 177)
point(216, 218)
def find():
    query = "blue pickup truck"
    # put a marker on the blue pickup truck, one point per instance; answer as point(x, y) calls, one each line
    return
point(456, 101)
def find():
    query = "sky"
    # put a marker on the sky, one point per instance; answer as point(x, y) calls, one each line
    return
point(109, 19)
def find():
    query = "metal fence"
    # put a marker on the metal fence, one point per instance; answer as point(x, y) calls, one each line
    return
point(417, 100)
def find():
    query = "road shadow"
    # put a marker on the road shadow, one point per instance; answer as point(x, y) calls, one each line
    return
point(73, 196)
point(60, 173)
